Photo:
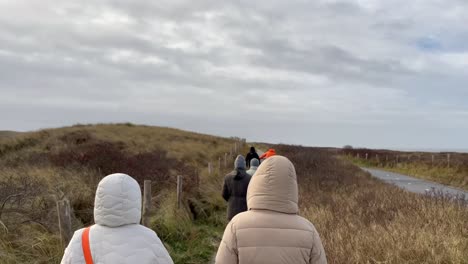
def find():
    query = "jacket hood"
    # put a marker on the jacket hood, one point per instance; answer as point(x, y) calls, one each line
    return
point(269, 153)
point(252, 150)
point(239, 163)
point(254, 162)
point(117, 201)
point(274, 187)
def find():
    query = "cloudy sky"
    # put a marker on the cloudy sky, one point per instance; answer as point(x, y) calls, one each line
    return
point(388, 73)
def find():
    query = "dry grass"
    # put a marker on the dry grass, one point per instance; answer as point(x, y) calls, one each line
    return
point(362, 220)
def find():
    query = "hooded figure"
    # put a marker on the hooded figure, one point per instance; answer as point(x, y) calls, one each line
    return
point(235, 188)
point(271, 231)
point(254, 163)
point(117, 236)
point(251, 155)
point(269, 153)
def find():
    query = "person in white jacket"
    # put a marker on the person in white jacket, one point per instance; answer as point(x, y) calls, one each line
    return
point(254, 163)
point(117, 237)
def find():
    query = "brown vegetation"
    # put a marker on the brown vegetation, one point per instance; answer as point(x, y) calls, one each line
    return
point(362, 220)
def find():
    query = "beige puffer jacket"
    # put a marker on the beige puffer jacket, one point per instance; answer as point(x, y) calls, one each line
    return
point(271, 231)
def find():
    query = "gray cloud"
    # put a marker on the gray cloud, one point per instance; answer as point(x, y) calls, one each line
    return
point(327, 72)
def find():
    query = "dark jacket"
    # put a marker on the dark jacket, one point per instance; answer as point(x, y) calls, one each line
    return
point(235, 188)
point(251, 155)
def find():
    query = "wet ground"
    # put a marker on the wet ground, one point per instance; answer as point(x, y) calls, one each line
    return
point(414, 184)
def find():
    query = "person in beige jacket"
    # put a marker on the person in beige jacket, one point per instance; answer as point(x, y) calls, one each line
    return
point(271, 231)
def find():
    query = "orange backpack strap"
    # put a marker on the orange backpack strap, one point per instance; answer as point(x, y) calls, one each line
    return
point(86, 247)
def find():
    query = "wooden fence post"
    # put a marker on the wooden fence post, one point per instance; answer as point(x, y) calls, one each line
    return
point(219, 165)
point(357, 155)
point(432, 161)
point(145, 220)
point(179, 190)
point(197, 178)
point(367, 155)
point(225, 160)
point(448, 160)
point(64, 220)
point(209, 168)
point(397, 159)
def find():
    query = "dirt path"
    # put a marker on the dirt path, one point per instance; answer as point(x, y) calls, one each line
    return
point(213, 259)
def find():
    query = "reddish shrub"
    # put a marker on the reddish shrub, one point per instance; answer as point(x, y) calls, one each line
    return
point(110, 157)
point(76, 137)
point(318, 171)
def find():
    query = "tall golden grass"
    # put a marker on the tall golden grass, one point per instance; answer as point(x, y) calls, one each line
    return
point(363, 220)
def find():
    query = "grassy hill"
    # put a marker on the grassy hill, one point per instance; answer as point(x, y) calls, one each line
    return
point(40, 167)
point(360, 219)
point(8, 134)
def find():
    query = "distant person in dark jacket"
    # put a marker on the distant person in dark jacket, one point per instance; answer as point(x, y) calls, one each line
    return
point(235, 188)
point(251, 155)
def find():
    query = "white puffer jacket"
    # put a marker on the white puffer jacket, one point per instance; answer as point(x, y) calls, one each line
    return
point(117, 236)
